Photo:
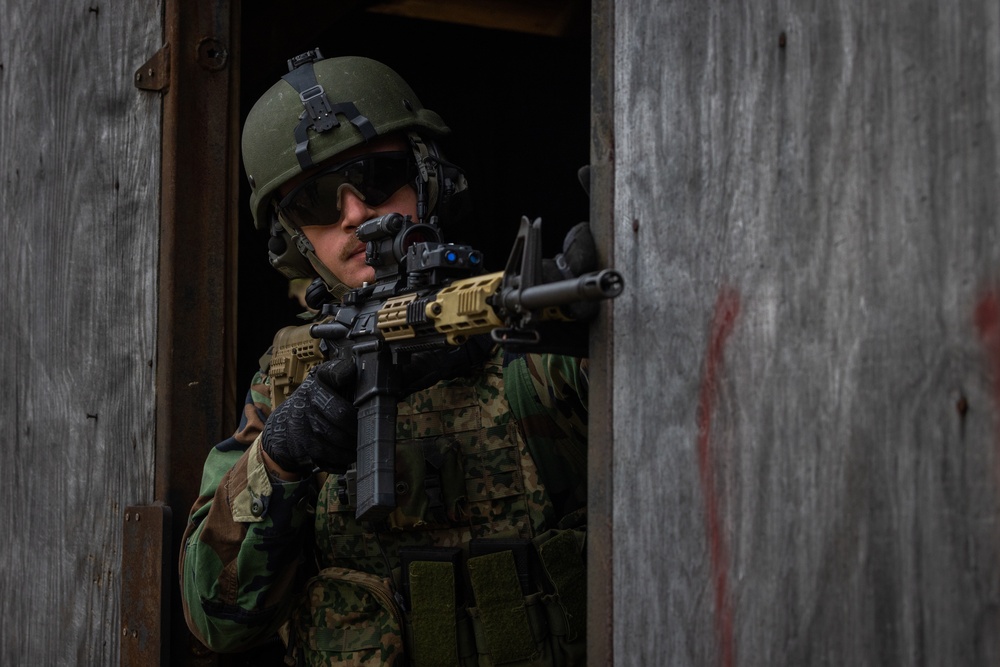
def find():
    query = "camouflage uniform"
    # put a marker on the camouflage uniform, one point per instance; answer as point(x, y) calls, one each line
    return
point(500, 456)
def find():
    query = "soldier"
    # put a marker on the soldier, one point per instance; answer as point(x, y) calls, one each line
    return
point(481, 562)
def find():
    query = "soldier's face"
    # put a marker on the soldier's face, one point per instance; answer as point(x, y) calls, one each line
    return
point(334, 241)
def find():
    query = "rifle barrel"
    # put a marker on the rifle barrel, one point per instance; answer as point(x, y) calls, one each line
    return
point(594, 286)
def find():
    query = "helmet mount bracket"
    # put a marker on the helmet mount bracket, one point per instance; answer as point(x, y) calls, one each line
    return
point(319, 115)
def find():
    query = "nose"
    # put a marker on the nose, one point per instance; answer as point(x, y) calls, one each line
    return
point(354, 210)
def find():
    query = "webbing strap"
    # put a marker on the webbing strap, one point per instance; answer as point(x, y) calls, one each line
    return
point(320, 114)
point(501, 608)
point(432, 591)
point(565, 568)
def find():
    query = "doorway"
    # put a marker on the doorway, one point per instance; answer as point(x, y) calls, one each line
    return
point(511, 79)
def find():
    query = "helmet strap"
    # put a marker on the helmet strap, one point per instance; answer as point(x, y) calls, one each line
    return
point(305, 247)
point(319, 115)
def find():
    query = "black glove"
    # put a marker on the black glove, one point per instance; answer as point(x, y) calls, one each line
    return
point(316, 427)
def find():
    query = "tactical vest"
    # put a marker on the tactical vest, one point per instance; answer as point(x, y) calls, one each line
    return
point(469, 569)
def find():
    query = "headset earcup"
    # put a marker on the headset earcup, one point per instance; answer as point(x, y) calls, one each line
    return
point(285, 257)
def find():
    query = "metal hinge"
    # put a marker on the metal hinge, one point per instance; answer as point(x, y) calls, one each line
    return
point(155, 72)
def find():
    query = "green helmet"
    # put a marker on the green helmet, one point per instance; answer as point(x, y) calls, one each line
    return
point(319, 109)
point(323, 107)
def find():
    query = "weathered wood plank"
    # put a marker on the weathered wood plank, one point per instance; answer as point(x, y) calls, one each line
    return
point(80, 148)
point(808, 211)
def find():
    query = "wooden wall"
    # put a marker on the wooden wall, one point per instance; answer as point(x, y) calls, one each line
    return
point(805, 207)
point(79, 178)
point(807, 212)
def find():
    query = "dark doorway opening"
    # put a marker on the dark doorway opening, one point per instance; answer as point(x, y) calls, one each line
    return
point(513, 87)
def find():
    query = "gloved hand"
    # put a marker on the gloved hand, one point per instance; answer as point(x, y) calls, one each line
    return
point(316, 427)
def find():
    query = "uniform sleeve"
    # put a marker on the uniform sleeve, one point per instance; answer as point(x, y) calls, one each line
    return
point(243, 545)
point(548, 395)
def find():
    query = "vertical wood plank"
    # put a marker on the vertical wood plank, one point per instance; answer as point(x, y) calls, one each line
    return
point(79, 146)
point(196, 378)
point(807, 215)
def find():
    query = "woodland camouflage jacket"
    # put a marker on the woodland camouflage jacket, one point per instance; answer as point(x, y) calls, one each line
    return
point(251, 544)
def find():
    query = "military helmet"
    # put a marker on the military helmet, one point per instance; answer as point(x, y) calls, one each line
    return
point(320, 108)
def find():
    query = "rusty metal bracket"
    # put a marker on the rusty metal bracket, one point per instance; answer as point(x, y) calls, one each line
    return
point(145, 603)
point(155, 73)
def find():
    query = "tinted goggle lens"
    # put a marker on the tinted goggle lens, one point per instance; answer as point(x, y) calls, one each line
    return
point(377, 177)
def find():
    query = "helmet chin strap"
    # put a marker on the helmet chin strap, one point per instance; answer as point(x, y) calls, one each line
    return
point(305, 247)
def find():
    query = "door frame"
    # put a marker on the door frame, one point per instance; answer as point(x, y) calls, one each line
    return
point(196, 374)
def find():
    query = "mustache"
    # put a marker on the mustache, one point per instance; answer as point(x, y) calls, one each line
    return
point(351, 251)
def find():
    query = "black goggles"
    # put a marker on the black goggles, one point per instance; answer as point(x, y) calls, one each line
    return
point(376, 176)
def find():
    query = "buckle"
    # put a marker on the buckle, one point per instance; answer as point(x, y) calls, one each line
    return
point(318, 106)
point(310, 56)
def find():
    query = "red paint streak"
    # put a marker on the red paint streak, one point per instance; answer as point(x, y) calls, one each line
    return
point(988, 326)
point(727, 307)
point(987, 319)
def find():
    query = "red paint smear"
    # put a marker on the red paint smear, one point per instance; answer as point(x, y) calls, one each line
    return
point(988, 326)
point(987, 319)
point(727, 307)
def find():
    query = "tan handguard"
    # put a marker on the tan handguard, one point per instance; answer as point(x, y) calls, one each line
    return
point(462, 308)
point(458, 310)
point(293, 354)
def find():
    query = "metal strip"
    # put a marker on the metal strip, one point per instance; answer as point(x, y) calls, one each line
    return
point(146, 554)
point(195, 385)
point(601, 451)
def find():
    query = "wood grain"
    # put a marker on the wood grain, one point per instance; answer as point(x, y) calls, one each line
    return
point(80, 147)
point(833, 167)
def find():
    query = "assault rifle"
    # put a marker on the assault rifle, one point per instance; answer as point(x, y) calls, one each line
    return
point(428, 294)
